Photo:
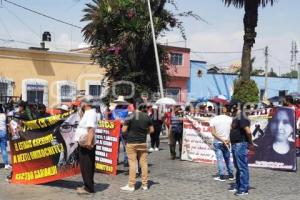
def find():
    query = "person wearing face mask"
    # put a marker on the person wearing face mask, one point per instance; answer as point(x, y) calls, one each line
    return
point(277, 145)
point(84, 135)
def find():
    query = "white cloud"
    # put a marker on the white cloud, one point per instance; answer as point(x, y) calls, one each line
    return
point(63, 42)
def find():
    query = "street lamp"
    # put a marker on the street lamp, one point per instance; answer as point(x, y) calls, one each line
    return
point(156, 52)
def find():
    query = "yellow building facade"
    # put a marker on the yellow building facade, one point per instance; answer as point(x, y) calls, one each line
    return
point(48, 77)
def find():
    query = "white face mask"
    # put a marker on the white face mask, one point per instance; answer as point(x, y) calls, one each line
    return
point(17, 109)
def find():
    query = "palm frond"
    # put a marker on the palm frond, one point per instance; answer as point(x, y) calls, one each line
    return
point(241, 3)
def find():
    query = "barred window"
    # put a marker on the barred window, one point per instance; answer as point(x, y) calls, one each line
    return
point(176, 59)
point(95, 90)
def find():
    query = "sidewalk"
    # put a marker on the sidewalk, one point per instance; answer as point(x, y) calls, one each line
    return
point(168, 180)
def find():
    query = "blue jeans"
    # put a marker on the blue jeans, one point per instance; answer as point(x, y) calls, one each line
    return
point(223, 154)
point(3, 144)
point(240, 160)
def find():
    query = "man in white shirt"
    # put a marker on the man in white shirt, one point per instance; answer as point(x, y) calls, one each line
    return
point(84, 135)
point(221, 125)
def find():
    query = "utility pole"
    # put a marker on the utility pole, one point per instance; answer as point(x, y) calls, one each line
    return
point(292, 56)
point(266, 72)
point(298, 83)
point(295, 55)
point(156, 53)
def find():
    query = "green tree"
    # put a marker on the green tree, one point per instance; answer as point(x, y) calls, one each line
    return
point(257, 72)
point(244, 87)
point(245, 91)
point(119, 33)
point(272, 73)
point(292, 74)
point(250, 23)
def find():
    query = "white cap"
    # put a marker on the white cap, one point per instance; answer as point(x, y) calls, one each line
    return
point(155, 107)
point(64, 107)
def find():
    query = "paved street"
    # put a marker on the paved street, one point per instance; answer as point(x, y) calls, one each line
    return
point(169, 180)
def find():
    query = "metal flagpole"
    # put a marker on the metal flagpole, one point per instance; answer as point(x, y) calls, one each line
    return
point(156, 52)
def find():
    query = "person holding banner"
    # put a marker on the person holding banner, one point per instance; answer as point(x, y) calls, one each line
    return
point(240, 138)
point(136, 128)
point(221, 125)
point(85, 134)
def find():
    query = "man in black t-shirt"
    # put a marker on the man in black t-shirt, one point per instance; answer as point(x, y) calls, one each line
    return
point(240, 137)
point(136, 127)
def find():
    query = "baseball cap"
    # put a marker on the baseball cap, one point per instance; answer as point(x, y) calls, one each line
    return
point(88, 100)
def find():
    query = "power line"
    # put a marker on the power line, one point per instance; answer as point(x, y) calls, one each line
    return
point(224, 52)
point(6, 29)
point(17, 41)
point(41, 14)
point(21, 21)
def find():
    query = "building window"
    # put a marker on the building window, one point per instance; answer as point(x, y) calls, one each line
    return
point(3, 92)
point(176, 59)
point(173, 93)
point(95, 90)
point(66, 91)
point(35, 93)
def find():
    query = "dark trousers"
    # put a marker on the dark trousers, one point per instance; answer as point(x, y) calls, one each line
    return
point(87, 167)
point(240, 161)
point(174, 139)
point(155, 138)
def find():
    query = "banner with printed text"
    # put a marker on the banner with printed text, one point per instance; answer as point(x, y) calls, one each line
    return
point(107, 144)
point(197, 141)
point(273, 136)
point(44, 150)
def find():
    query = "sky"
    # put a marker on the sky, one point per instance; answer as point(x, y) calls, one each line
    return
point(277, 28)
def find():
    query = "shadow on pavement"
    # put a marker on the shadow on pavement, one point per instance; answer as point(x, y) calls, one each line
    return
point(232, 185)
point(72, 185)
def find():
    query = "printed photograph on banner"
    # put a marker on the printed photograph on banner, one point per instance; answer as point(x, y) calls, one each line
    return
point(274, 140)
point(44, 150)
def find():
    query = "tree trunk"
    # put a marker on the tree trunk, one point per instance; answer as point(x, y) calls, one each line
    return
point(250, 23)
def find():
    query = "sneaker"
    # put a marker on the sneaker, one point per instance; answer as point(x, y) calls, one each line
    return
point(151, 149)
point(231, 177)
point(156, 149)
point(145, 188)
point(7, 167)
point(126, 164)
point(232, 190)
point(82, 191)
point(127, 188)
point(220, 178)
point(8, 178)
point(241, 193)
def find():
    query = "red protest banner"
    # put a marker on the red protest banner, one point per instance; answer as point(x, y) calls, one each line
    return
point(107, 144)
point(43, 150)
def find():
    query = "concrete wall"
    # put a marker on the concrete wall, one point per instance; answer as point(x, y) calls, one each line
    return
point(210, 85)
point(23, 66)
point(179, 75)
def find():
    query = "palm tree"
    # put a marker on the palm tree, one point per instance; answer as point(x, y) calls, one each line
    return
point(250, 23)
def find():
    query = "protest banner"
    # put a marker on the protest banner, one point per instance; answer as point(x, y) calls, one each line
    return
point(274, 140)
point(197, 142)
point(107, 146)
point(44, 150)
point(273, 136)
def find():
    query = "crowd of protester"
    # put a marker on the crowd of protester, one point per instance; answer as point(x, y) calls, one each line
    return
point(230, 129)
